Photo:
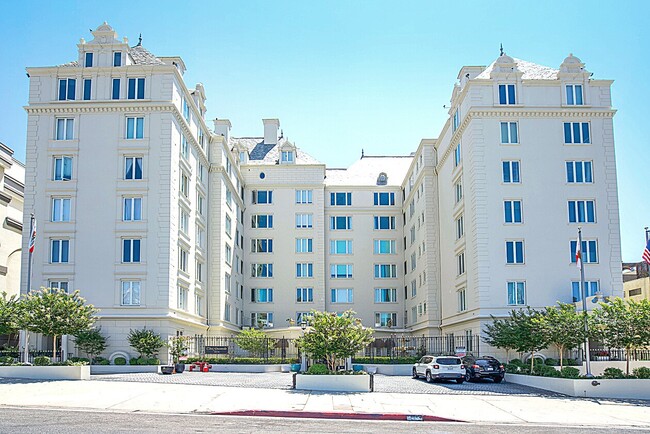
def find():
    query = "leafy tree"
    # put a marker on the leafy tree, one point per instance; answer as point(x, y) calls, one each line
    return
point(146, 342)
point(623, 324)
point(9, 314)
point(178, 346)
point(500, 333)
point(564, 327)
point(54, 312)
point(333, 337)
point(91, 342)
point(255, 341)
point(529, 332)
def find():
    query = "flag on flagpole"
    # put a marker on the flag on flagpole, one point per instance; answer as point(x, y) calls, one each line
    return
point(578, 255)
point(32, 238)
point(646, 253)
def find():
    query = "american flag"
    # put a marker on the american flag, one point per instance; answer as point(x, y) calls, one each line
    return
point(32, 239)
point(646, 253)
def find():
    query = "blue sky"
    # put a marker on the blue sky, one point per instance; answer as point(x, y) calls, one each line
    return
point(349, 75)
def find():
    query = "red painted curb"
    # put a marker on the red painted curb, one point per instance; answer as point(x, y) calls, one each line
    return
point(337, 415)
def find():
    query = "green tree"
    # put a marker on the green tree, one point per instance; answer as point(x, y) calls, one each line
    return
point(178, 346)
point(9, 314)
point(146, 342)
point(255, 341)
point(500, 333)
point(623, 324)
point(334, 337)
point(529, 332)
point(91, 342)
point(564, 327)
point(54, 312)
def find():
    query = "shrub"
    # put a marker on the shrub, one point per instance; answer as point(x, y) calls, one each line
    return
point(79, 359)
point(134, 361)
point(6, 360)
point(42, 361)
point(613, 373)
point(545, 371)
point(513, 368)
point(152, 361)
point(551, 362)
point(569, 372)
point(318, 369)
point(119, 361)
point(146, 342)
point(571, 362)
point(101, 361)
point(242, 360)
point(517, 362)
point(385, 360)
point(642, 372)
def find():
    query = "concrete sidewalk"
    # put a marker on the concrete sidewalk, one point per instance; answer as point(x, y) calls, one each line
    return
point(174, 398)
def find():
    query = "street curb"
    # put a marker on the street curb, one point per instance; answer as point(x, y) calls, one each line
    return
point(337, 415)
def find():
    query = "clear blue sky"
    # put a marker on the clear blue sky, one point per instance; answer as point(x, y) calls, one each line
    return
point(347, 75)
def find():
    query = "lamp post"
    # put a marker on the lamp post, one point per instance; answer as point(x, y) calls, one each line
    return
point(303, 361)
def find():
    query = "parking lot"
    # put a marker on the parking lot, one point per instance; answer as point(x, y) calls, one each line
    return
point(278, 380)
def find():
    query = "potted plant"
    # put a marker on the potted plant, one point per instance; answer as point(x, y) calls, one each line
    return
point(178, 347)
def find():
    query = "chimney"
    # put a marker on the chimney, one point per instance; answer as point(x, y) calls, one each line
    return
point(271, 127)
point(222, 128)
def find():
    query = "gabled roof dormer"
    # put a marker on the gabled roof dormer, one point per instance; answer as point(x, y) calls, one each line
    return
point(287, 153)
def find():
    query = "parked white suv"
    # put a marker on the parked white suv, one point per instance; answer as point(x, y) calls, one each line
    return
point(440, 368)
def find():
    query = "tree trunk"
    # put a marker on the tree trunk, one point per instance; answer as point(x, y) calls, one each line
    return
point(532, 362)
point(627, 361)
point(561, 348)
point(54, 349)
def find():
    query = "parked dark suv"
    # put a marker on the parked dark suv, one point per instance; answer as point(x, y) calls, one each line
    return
point(483, 367)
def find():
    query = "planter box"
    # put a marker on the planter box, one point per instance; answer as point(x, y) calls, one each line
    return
point(122, 369)
point(246, 368)
point(595, 388)
point(333, 383)
point(46, 372)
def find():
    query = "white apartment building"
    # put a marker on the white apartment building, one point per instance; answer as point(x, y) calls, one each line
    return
point(163, 223)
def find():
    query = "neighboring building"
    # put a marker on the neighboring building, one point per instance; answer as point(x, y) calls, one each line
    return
point(162, 223)
point(636, 282)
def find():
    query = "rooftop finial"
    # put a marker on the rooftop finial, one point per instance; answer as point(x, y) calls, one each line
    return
point(501, 49)
point(140, 40)
point(362, 153)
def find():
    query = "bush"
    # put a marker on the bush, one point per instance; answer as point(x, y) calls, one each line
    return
point(385, 360)
point(517, 362)
point(134, 361)
point(6, 360)
point(513, 368)
point(569, 372)
point(152, 361)
point(241, 360)
point(101, 361)
point(545, 371)
point(318, 369)
point(642, 372)
point(42, 361)
point(571, 362)
point(551, 362)
point(79, 359)
point(146, 342)
point(119, 361)
point(613, 373)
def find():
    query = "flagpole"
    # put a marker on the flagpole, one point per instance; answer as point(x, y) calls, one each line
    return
point(29, 279)
point(584, 304)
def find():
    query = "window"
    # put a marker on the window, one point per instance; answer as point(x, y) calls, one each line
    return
point(462, 300)
point(509, 133)
point(457, 155)
point(304, 295)
point(458, 191)
point(384, 198)
point(87, 89)
point(115, 94)
point(62, 169)
point(582, 211)
point(384, 247)
point(182, 297)
point(262, 196)
point(414, 288)
point(460, 227)
point(304, 221)
point(62, 285)
point(200, 237)
point(591, 288)
point(385, 319)
point(460, 264)
point(184, 220)
point(60, 250)
point(514, 252)
point(201, 174)
point(64, 129)
point(185, 185)
point(130, 250)
point(385, 271)
point(579, 172)
point(384, 222)
point(516, 293)
point(340, 223)
point(227, 283)
point(132, 209)
point(455, 121)
point(133, 168)
point(198, 271)
point(135, 128)
point(385, 295)
point(200, 204)
point(304, 245)
point(576, 132)
point(287, 156)
point(304, 196)
point(226, 313)
point(574, 94)
point(262, 245)
point(340, 199)
point(507, 94)
point(262, 221)
point(228, 226)
point(182, 259)
point(60, 209)
point(261, 270)
point(511, 173)
point(341, 271)
point(136, 88)
point(117, 58)
point(67, 89)
point(589, 251)
point(304, 270)
point(130, 293)
point(262, 295)
point(88, 61)
point(228, 198)
point(342, 295)
point(413, 261)
point(198, 306)
point(262, 319)
point(512, 211)
point(228, 254)
point(185, 147)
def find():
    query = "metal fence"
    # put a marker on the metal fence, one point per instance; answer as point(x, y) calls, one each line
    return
point(413, 346)
point(20, 356)
point(229, 347)
point(605, 354)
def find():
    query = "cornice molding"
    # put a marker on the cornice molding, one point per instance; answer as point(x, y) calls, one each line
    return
point(75, 108)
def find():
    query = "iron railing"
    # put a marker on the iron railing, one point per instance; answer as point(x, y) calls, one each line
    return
point(19, 356)
point(416, 346)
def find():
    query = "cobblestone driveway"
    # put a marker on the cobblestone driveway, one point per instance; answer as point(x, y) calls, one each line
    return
point(277, 380)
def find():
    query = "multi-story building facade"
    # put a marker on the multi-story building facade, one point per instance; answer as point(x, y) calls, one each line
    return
point(161, 222)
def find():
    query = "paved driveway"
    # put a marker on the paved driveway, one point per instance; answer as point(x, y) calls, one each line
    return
point(278, 380)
